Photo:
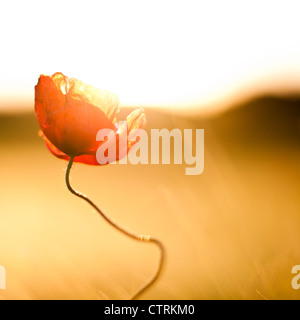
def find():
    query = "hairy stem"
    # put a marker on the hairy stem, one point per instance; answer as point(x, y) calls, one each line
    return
point(127, 233)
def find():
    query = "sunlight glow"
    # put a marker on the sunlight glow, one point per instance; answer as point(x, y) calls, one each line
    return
point(152, 53)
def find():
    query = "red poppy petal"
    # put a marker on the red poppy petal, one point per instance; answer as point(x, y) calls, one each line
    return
point(106, 101)
point(53, 148)
point(68, 120)
point(135, 120)
point(48, 100)
point(81, 122)
point(71, 113)
point(86, 159)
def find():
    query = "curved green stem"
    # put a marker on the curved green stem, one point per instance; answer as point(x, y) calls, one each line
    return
point(127, 233)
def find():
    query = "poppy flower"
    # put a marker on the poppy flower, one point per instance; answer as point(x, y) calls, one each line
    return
point(71, 113)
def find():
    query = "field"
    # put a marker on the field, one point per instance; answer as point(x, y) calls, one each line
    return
point(230, 233)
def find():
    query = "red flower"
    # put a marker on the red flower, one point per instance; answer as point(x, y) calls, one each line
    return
point(70, 114)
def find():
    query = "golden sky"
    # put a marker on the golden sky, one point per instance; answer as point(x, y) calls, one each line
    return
point(152, 53)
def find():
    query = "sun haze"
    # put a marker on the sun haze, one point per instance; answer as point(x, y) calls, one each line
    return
point(159, 53)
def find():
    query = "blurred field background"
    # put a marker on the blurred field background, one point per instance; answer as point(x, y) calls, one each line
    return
point(229, 67)
point(230, 233)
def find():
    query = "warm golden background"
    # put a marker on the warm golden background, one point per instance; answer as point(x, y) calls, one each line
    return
point(231, 68)
point(230, 233)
